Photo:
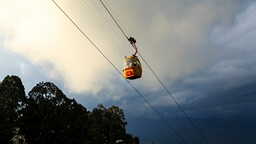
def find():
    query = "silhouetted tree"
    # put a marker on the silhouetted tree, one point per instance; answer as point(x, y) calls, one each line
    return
point(136, 140)
point(12, 97)
point(107, 125)
point(46, 115)
point(117, 124)
point(97, 129)
point(131, 140)
point(50, 117)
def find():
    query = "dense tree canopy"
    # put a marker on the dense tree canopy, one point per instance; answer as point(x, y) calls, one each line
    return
point(12, 96)
point(58, 119)
point(108, 125)
point(47, 115)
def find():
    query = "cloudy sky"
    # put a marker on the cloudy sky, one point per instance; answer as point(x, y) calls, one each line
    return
point(203, 51)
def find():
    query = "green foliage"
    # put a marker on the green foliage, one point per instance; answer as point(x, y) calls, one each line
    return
point(46, 115)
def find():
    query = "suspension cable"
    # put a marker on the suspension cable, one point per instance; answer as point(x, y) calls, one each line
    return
point(114, 19)
point(158, 79)
point(119, 71)
point(175, 101)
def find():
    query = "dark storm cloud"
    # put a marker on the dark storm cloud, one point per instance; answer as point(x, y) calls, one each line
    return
point(229, 85)
point(203, 51)
point(207, 55)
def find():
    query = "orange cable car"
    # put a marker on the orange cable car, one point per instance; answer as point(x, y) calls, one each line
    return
point(132, 66)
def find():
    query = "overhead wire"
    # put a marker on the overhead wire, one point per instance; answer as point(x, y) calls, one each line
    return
point(151, 86)
point(194, 126)
point(124, 32)
point(109, 8)
point(114, 19)
point(119, 72)
point(83, 6)
point(115, 32)
point(147, 82)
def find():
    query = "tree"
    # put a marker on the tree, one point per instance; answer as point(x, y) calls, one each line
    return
point(98, 127)
point(46, 115)
point(51, 117)
point(131, 140)
point(107, 125)
point(136, 140)
point(117, 124)
point(12, 97)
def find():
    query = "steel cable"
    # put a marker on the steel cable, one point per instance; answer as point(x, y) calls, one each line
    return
point(119, 72)
point(158, 79)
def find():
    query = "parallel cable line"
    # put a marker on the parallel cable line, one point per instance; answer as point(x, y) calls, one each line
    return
point(115, 32)
point(119, 72)
point(114, 19)
point(97, 23)
point(84, 7)
point(158, 79)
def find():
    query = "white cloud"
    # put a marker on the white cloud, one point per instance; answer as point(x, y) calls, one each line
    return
point(176, 37)
point(41, 33)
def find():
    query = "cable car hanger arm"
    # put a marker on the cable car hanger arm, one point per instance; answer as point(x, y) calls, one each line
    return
point(133, 41)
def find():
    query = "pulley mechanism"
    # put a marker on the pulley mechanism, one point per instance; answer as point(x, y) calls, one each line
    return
point(133, 41)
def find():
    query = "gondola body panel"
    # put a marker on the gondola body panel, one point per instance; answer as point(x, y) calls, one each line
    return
point(132, 68)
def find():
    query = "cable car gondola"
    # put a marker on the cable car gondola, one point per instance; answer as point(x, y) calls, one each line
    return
point(132, 67)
